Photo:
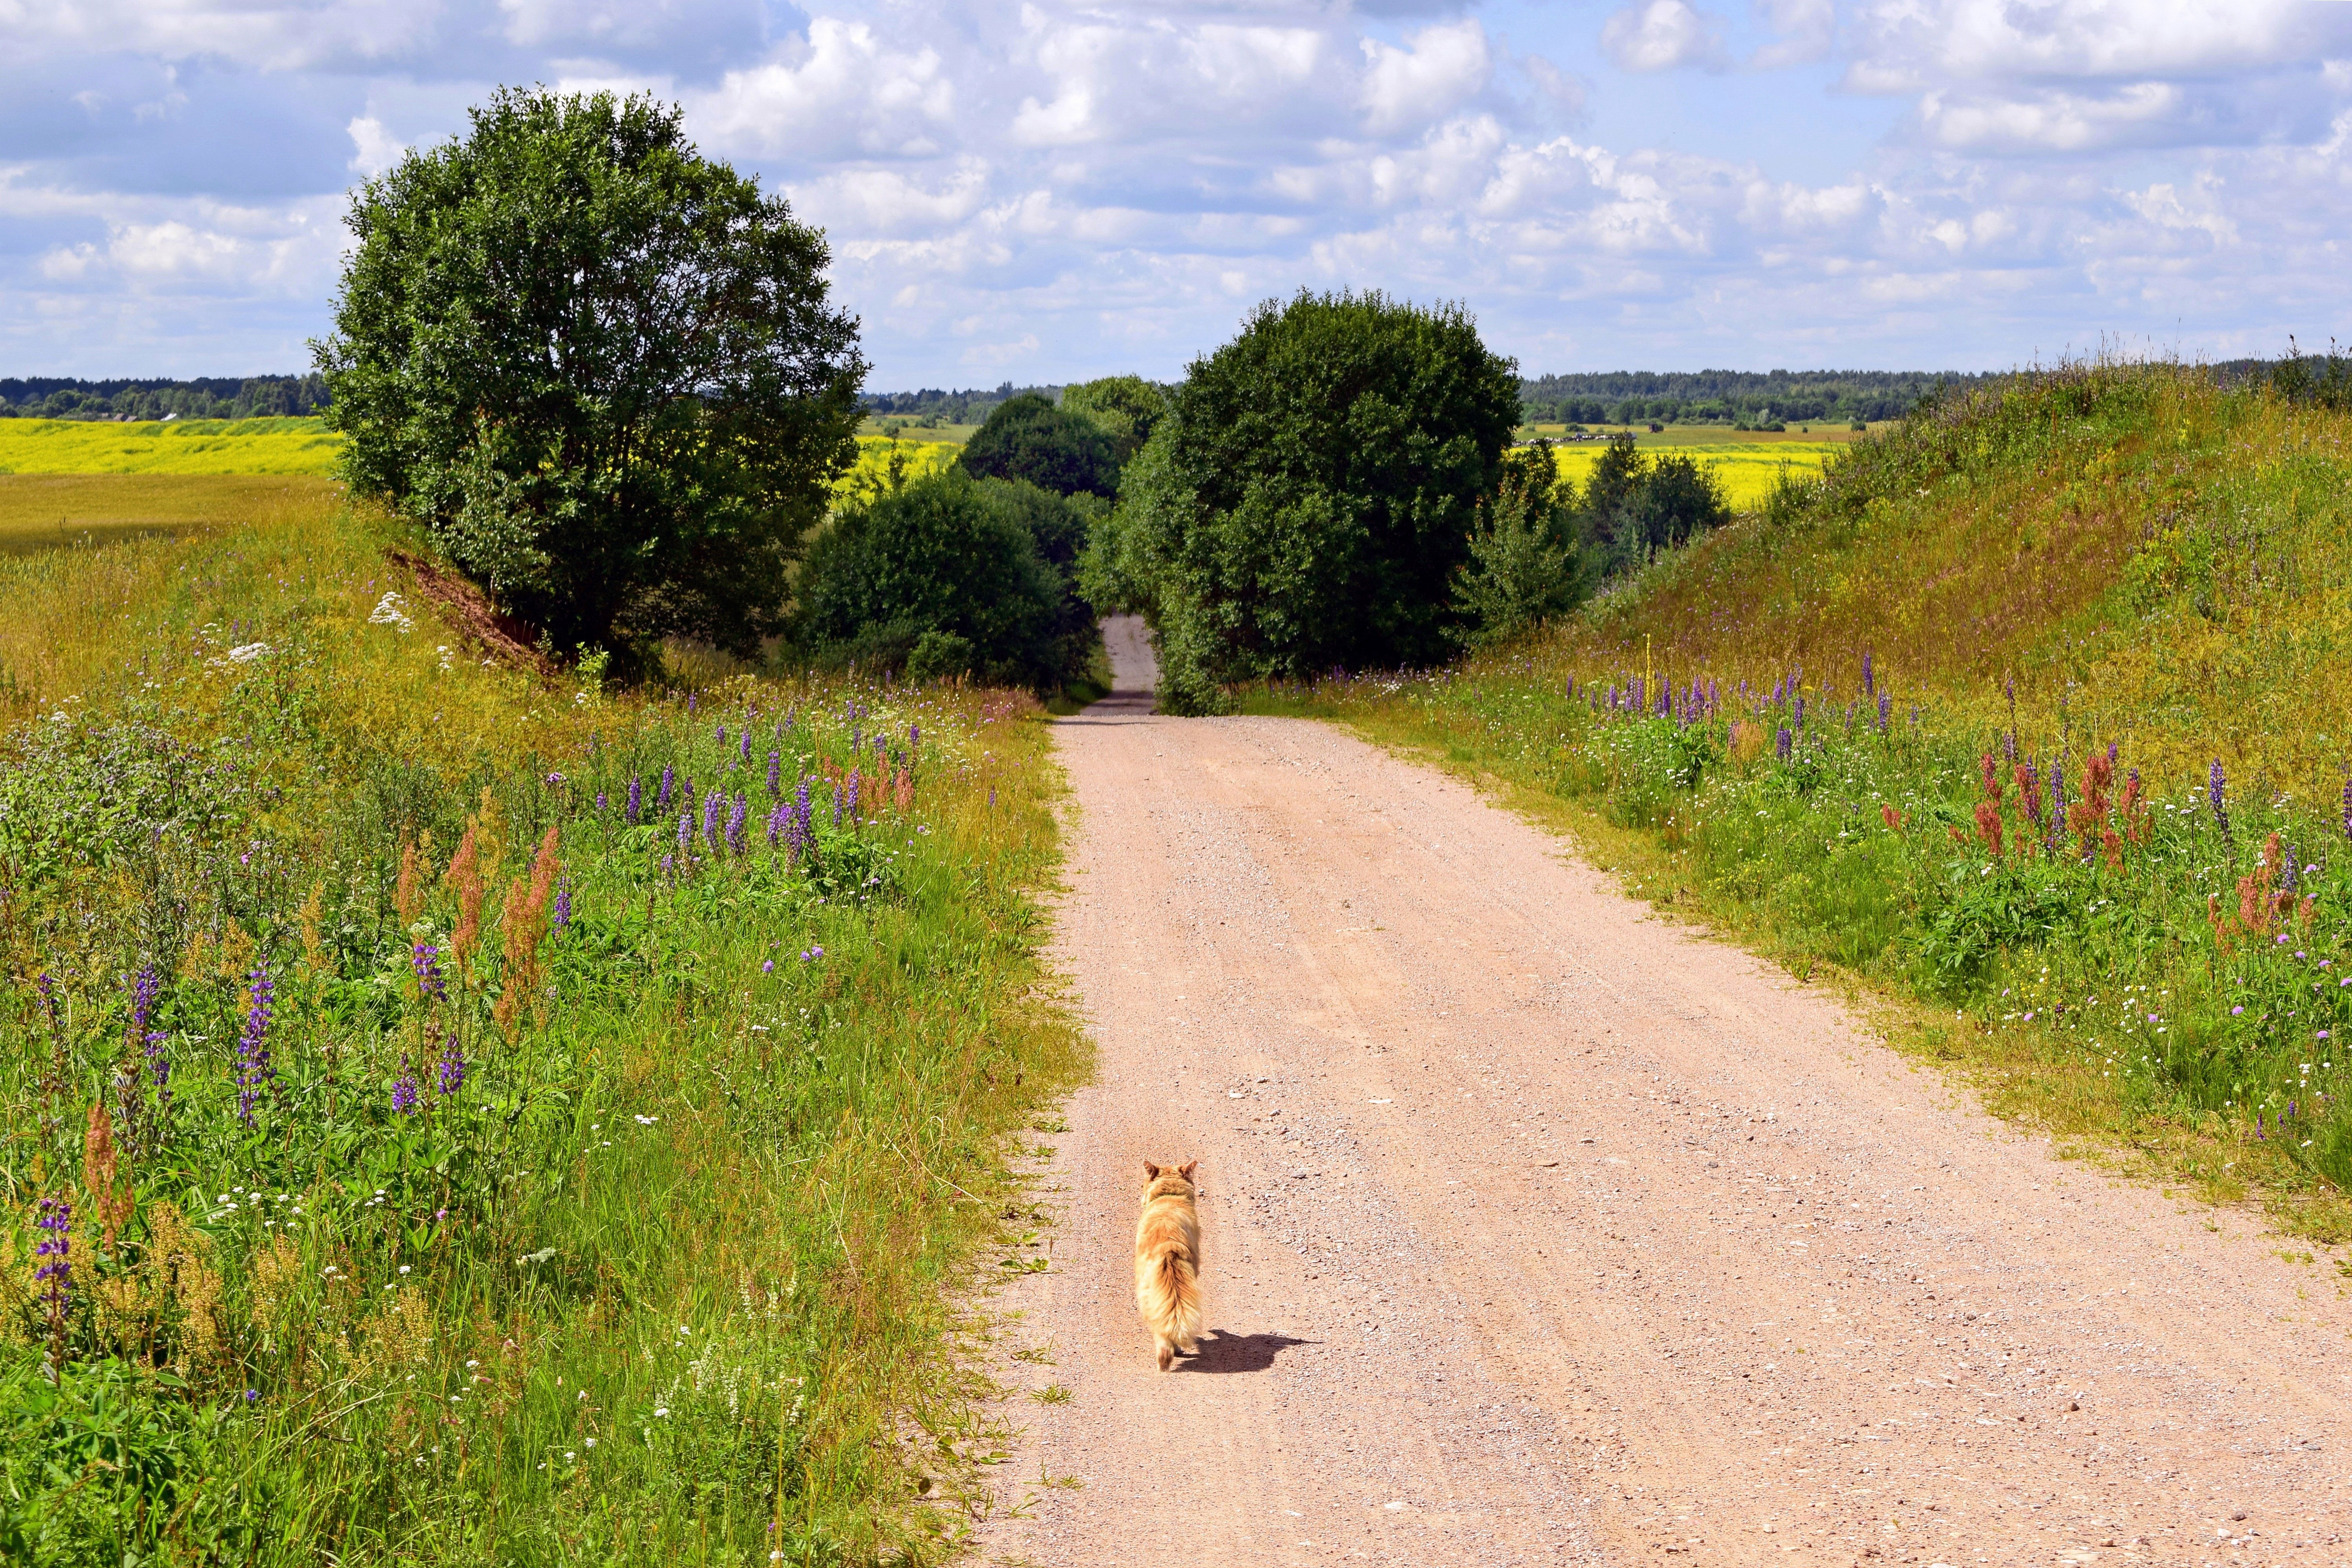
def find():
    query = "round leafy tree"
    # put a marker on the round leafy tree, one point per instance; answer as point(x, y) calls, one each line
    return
point(1309, 499)
point(1027, 437)
point(941, 576)
point(600, 369)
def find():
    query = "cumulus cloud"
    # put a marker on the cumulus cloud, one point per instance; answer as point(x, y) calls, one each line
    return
point(1044, 188)
point(1659, 35)
point(373, 149)
point(1441, 68)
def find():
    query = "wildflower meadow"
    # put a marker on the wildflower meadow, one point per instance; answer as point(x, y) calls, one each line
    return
point(454, 1117)
point(2029, 714)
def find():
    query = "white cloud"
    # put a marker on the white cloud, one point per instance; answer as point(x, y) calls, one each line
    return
point(1443, 68)
point(1064, 186)
point(2051, 120)
point(373, 149)
point(847, 93)
point(1659, 35)
point(1806, 28)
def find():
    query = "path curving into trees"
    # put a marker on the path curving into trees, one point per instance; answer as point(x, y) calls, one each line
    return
point(1538, 1230)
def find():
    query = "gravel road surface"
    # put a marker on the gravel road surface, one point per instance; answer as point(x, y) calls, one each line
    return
point(1539, 1231)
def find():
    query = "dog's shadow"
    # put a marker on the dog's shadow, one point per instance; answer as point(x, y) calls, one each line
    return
point(1220, 1351)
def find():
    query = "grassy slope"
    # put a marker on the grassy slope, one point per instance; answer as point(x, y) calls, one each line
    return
point(708, 1213)
point(2157, 566)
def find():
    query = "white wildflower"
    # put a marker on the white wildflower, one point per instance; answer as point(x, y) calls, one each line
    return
point(390, 612)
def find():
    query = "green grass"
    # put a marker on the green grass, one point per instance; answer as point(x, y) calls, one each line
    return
point(681, 1266)
point(176, 446)
point(2158, 565)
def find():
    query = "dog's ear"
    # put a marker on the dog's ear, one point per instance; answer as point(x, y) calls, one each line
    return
point(1151, 1171)
point(1185, 1170)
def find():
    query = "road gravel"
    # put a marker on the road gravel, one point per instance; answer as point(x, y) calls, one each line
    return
point(1541, 1230)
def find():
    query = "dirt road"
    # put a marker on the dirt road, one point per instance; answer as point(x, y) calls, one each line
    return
point(1540, 1231)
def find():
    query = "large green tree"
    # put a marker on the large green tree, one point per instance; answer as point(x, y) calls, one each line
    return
point(601, 369)
point(1309, 499)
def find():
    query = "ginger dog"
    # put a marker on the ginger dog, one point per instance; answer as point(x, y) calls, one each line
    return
point(1168, 1260)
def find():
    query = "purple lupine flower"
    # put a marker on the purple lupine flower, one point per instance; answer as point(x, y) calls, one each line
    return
point(775, 774)
point(2258, 1126)
point(2114, 750)
point(450, 1073)
point(2347, 808)
point(745, 749)
point(805, 814)
point(637, 801)
point(853, 795)
point(2009, 746)
point(143, 991)
point(776, 822)
point(668, 780)
point(2058, 800)
point(2287, 883)
point(710, 817)
point(56, 1251)
point(1784, 742)
point(722, 736)
point(253, 1069)
point(915, 731)
point(690, 703)
point(2216, 783)
point(427, 961)
point(603, 803)
point(562, 903)
point(1800, 711)
point(1885, 709)
point(1869, 681)
point(685, 829)
point(735, 826)
point(837, 809)
point(404, 1089)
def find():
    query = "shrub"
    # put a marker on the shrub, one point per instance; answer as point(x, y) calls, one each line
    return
point(1027, 437)
point(600, 369)
point(1308, 501)
point(945, 569)
point(1524, 565)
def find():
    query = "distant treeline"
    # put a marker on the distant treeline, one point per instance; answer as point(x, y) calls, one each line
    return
point(205, 398)
point(1741, 398)
point(931, 406)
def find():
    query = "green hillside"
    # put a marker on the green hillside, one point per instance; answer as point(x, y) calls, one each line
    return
point(2032, 712)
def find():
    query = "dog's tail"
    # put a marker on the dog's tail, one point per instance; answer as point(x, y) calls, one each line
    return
point(1168, 1293)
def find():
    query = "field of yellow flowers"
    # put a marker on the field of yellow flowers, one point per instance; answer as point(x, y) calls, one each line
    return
point(2032, 713)
point(453, 1116)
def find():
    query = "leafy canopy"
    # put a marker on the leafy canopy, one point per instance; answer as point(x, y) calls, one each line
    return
point(1127, 406)
point(1028, 437)
point(1307, 501)
point(599, 368)
point(947, 575)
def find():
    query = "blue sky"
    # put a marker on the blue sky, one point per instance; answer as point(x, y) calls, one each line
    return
point(1039, 192)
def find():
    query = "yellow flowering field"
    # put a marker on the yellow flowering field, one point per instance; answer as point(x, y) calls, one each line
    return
point(167, 447)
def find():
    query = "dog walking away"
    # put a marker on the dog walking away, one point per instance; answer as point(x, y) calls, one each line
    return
point(1168, 1260)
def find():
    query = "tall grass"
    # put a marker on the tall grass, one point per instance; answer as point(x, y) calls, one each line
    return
point(1811, 727)
point(474, 1149)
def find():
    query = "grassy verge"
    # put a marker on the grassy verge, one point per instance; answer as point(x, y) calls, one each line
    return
point(1944, 726)
point(483, 1122)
